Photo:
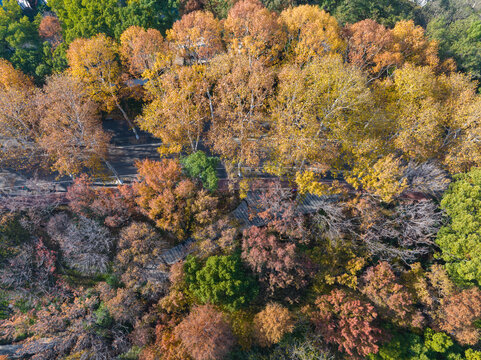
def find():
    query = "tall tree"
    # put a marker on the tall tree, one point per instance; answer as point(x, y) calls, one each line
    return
point(240, 102)
point(347, 322)
point(20, 42)
point(460, 239)
point(196, 37)
point(71, 131)
point(172, 200)
point(18, 117)
point(139, 48)
point(253, 30)
point(95, 62)
point(311, 32)
point(180, 108)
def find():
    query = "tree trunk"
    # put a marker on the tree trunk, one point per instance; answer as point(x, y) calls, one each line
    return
point(132, 126)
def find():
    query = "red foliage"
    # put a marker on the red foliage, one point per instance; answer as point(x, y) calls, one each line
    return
point(50, 29)
point(114, 206)
point(459, 314)
point(348, 323)
point(380, 285)
point(275, 261)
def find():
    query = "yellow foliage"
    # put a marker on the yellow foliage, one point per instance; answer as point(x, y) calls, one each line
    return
point(94, 62)
point(272, 323)
point(311, 32)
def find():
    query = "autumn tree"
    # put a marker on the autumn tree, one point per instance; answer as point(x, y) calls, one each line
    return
point(71, 131)
point(172, 200)
point(84, 244)
point(139, 48)
point(347, 322)
point(276, 262)
point(205, 334)
point(414, 47)
point(311, 32)
point(382, 287)
point(196, 37)
point(139, 247)
point(50, 30)
point(369, 45)
point(112, 206)
point(95, 62)
point(180, 108)
point(240, 103)
point(460, 314)
point(253, 30)
point(18, 118)
point(405, 233)
point(307, 113)
point(272, 323)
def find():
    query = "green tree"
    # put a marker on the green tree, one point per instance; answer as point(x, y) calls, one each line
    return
point(86, 18)
point(409, 346)
point(200, 166)
point(461, 40)
point(221, 281)
point(20, 42)
point(460, 239)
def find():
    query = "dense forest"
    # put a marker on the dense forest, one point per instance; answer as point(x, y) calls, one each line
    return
point(316, 194)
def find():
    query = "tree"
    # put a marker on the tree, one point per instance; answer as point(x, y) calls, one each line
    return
point(50, 30)
point(180, 108)
point(221, 281)
point(71, 132)
point(276, 262)
point(84, 244)
point(369, 45)
point(409, 346)
point(311, 32)
point(253, 30)
point(460, 314)
point(205, 334)
point(310, 113)
point(139, 247)
point(171, 200)
point(348, 323)
point(410, 226)
point(272, 324)
point(394, 301)
point(415, 48)
point(113, 207)
point(94, 62)
point(87, 18)
point(459, 38)
point(139, 48)
point(459, 239)
point(240, 101)
point(149, 14)
point(386, 12)
point(18, 117)
point(19, 40)
point(196, 37)
point(200, 166)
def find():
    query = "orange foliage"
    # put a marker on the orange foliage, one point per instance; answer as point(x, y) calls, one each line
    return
point(205, 334)
point(254, 30)
point(197, 36)
point(171, 200)
point(139, 48)
point(272, 323)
